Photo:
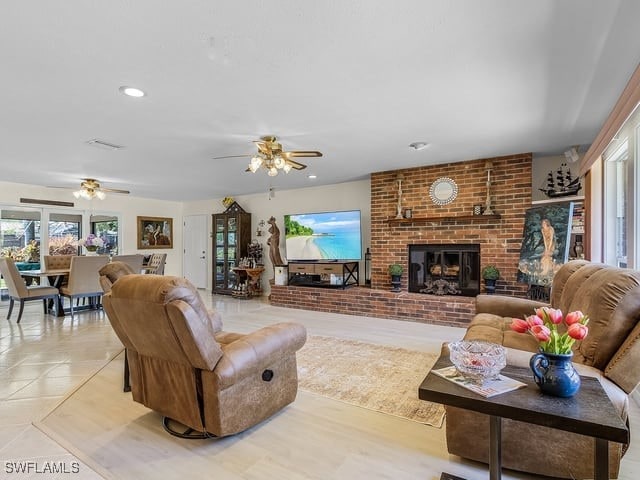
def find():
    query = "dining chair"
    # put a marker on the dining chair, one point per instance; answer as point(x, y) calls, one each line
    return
point(134, 261)
point(156, 264)
point(57, 262)
point(18, 290)
point(84, 279)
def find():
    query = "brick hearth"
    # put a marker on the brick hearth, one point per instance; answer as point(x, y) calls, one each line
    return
point(453, 311)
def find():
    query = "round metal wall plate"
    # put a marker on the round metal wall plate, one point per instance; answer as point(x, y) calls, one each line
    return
point(443, 191)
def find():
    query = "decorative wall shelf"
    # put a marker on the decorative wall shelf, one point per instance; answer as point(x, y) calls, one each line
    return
point(458, 218)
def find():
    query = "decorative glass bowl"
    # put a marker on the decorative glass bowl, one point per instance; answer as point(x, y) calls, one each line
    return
point(477, 360)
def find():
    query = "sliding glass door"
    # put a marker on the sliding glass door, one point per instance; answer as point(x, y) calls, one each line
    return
point(27, 233)
point(107, 228)
point(64, 232)
point(19, 239)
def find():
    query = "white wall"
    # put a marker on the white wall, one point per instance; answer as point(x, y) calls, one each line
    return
point(128, 207)
point(343, 196)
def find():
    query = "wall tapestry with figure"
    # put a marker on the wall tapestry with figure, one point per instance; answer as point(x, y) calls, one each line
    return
point(545, 243)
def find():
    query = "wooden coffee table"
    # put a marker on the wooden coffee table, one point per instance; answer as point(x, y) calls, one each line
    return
point(589, 412)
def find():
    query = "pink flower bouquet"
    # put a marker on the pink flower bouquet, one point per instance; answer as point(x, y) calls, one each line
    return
point(544, 327)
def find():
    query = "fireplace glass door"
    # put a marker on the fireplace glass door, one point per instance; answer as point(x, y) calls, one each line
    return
point(445, 269)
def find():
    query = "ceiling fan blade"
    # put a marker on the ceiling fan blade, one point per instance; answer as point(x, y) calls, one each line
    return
point(302, 153)
point(114, 190)
point(296, 165)
point(231, 156)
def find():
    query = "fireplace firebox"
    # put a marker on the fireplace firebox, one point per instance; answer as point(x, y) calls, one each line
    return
point(438, 269)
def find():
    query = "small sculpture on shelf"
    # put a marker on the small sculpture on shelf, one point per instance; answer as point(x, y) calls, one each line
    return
point(254, 251)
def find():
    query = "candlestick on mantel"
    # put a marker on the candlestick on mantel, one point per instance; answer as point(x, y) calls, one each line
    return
point(399, 205)
point(487, 208)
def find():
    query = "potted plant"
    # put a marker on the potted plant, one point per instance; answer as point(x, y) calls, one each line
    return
point(490, 274)
point(395, 270)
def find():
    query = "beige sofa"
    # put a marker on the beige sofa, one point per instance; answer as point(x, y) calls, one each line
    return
point(611, 352)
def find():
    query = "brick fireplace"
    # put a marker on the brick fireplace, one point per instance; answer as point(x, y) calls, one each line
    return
point(496, 237)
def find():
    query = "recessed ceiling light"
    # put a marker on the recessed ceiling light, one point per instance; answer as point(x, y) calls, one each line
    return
point(312, 176)
point(418, 145)
point(131, 91)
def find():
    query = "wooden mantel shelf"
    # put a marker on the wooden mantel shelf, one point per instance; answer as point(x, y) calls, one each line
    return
point(458, 218)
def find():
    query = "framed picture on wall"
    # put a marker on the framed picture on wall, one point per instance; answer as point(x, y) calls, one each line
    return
point(545, 243)
point(155, 232)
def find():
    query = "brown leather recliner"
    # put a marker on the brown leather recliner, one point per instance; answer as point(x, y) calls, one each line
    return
point(185, 368)
point(611, 352)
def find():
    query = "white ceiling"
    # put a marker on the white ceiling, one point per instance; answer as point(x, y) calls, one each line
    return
point(358, 80)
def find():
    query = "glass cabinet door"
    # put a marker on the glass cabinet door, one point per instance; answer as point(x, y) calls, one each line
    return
point(231, 236)
point(232, 244)
point(220, 251)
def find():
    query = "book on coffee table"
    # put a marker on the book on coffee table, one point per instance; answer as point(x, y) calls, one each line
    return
point(489, 388)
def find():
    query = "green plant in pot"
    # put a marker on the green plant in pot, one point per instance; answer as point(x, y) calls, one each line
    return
point(395, 270)
point(490, 274)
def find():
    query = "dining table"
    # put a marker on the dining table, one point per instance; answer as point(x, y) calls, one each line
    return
point(55, 279)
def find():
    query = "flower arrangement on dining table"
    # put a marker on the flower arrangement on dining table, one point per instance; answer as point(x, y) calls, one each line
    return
point(91, 243)
point(544, 327)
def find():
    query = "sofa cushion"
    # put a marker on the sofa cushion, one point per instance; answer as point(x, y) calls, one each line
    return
point(611, 298)
point(496, 329)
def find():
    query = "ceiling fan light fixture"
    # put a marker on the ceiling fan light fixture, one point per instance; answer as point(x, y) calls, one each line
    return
point(256, 161)
point(278, 161)
point(273, 158)
point(77, 193)
point(100, 194)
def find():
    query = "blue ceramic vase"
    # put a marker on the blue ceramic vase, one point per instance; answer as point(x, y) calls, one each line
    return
point(554, 374)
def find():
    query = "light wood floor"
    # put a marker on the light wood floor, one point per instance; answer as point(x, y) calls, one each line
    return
point(44, 359)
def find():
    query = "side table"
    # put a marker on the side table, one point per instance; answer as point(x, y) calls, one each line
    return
point(250, 278)
point(589, 412)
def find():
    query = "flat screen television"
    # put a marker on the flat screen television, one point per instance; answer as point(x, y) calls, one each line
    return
point(324, 236)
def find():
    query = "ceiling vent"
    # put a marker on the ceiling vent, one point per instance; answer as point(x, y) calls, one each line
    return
point(104, 145)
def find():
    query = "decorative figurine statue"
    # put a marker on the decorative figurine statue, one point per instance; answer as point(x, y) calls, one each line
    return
point(274, 243)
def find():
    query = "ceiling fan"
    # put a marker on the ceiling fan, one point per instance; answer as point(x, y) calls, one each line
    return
point(90, 188)
point(271, 157)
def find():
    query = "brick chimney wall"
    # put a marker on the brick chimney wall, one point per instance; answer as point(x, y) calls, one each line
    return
point(499, 239)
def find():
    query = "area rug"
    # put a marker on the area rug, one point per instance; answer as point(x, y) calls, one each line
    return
point(377, 377)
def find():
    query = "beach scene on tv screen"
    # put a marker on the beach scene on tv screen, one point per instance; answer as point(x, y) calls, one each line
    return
point(323, 236)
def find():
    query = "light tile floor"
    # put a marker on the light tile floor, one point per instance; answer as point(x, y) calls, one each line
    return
point(42, 359)
point(45, 358)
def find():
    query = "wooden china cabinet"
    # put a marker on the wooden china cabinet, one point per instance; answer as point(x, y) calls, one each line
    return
point(231, 238)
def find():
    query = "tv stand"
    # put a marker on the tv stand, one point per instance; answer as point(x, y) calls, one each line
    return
point(334, 274)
